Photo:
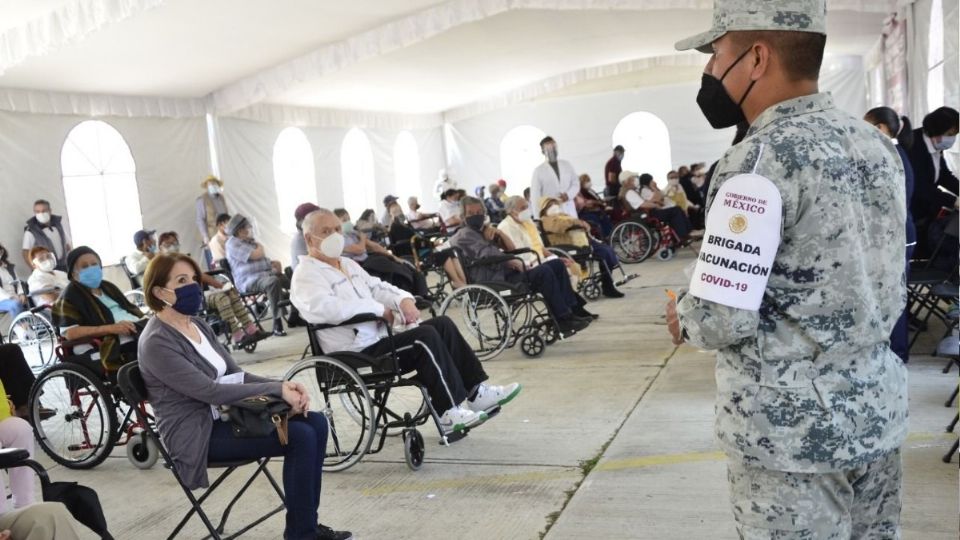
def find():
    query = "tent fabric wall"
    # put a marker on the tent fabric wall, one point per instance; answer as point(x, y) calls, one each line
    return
point(583, 126)
point(171, 157)
point(245, 150)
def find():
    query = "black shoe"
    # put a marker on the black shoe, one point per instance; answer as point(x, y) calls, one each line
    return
point(570, 325)
point(582, 313)
point(326, 533)
point(612, 293)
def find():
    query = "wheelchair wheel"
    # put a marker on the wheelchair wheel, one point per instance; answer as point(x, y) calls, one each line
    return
point(590, 288)
point(413, 449)
point(83, 430)
point(403, 401)
point(632, 242)
point(548, 329)
point(532, 345)
point(249, 348)
point(483, 318)
point(142, 451)
point(665, 254)
point(337, 392)
point(36, 337)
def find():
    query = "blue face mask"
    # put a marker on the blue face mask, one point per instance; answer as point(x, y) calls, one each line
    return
point(189, 299)
point(90, 277)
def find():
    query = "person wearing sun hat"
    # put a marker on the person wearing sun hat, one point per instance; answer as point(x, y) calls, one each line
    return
point(210, 205)
point(798, 285)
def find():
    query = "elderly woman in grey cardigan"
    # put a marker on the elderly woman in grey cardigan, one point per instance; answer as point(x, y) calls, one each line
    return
point(187, 371)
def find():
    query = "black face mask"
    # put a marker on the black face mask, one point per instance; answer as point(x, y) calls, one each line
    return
point(715, 103)
point(475, 222)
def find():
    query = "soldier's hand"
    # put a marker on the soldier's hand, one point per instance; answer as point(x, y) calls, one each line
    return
point(673, 322)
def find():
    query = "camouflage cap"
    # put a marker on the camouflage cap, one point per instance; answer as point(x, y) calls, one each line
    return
point(786, 15)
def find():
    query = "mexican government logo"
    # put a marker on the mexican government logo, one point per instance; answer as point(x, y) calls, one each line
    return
point(738, 223)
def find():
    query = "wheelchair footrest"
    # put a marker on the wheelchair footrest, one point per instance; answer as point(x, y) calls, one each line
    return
point(626, 279)
point(453, 437)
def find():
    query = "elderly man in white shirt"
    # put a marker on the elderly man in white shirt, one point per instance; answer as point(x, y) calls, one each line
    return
point(330, 289)
point(555, 178)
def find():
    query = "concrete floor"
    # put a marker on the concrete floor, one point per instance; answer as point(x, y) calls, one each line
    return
point(619, 392)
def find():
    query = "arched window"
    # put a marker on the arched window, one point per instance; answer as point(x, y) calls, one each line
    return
point(100, 185)
point(646, 144)
point(356, 166)
point(935, 57)
point(406, 166)
point(519, 156)
point(293, 175)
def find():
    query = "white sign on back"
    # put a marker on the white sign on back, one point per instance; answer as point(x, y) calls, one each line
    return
point(741, 241)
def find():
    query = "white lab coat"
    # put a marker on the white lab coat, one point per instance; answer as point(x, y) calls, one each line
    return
point(546, 184)
point(324, 295)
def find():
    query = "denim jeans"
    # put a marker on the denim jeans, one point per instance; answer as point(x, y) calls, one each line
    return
point(302, 465)
point(11, 306)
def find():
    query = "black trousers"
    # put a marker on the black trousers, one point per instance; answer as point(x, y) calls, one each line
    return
point(397, 274)
point(448, 368)
point(15, 374)
point(551, 280)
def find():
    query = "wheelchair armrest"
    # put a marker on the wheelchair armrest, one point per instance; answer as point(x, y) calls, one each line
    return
point(13, 457)
point(71, 343)
point(356, 319)
point(488, 261)
point(516, 252)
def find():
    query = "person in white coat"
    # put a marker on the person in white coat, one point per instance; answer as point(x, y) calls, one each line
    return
point(328, 288)
point(555, 178)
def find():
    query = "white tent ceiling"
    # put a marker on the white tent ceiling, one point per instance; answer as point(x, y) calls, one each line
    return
point(402, 56)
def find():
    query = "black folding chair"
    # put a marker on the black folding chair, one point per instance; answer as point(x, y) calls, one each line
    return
point(135, 391)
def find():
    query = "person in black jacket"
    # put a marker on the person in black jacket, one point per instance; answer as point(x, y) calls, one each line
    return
point(935, 186)
point(898, 129)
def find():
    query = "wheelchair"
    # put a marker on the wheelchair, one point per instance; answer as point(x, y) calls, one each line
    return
point(256, 302)
point(495, 315)
point(365, 398)
point(220, 327)
point(32, 330)
point(135, 294)
point(91, 416)
point(638, 235)
point(421, 250)
point(591, 286)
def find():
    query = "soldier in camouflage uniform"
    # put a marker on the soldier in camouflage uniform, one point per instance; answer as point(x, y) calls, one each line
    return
point(811, 402)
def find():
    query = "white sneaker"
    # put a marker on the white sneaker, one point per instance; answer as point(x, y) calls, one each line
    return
point(490, 397)
point(459, 419)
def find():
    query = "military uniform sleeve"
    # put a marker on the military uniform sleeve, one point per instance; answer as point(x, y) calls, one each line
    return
point(709, 325)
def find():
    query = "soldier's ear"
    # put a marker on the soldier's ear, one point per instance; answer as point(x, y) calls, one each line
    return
point(760, 56)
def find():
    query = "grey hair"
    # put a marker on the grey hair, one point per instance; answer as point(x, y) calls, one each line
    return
point(469, 200)
point(512, 203)
point(311, 219)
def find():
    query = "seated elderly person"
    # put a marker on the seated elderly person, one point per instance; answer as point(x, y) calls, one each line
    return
point(520, 228)
point(375, 259)
point(478, 240)
point(370, 226)
point(562, 229)
point(222, 296)
point(146, 249)
point(449, 210)
point(11, 301)
point(45, 282)
point(444, 362)
point(591, 207)
point(91, 307)
point(189, 375)
point(253, 271)
point(494, 204)
point(640, 193)
point(422, 221)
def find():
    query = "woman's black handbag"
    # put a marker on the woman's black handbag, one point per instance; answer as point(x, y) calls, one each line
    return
point(259, 416)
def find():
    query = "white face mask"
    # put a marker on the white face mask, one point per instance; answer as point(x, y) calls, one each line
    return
point(43, 217)
point(332, 246)
point(673, 181)
point(45, 265)
point(945, 142)
point(213, 189)
point(553, 210)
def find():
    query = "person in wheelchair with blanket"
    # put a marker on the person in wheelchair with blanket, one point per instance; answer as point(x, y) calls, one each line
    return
point(329, 288)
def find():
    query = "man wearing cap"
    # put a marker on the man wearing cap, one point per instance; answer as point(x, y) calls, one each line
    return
point(611, 172)
point(252, 270)
point(210, 205)
point(798, 285)
point(146, 250)
point(555, 178)
point(386, 219)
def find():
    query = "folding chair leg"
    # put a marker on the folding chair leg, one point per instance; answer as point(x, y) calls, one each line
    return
point(953, 396)
point(946, 368)
point(197, 508)
point(948, 457)
point(953, 424)
point(226, 513)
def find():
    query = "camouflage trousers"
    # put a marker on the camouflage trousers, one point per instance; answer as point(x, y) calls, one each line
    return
point(862, 503)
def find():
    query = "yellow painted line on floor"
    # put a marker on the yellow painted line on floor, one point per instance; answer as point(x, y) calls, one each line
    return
point(640, 462)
